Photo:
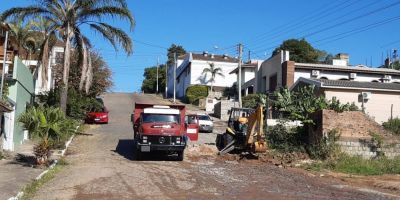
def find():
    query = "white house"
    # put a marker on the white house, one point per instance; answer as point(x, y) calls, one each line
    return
point(189, 72)
point(56, 56)
point(339, 79)
point(249, 76)
point(278, 71)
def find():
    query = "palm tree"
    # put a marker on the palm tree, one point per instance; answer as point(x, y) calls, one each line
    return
point(214, 71)
point(45, 39)
point(70, 17)
point(24, 37)
point(48, 125)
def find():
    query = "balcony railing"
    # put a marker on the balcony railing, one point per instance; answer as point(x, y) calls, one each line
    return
point(10, 56)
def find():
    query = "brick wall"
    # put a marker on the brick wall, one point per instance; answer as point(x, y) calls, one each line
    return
point(287, 74)
point(355, 129)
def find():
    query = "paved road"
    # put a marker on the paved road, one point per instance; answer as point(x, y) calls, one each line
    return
point(101, 168)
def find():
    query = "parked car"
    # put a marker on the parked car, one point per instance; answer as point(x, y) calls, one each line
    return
point(205, 123)
point(99, 116)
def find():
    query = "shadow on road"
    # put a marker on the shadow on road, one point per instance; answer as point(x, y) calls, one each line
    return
point(125, 149)
point(24, 160)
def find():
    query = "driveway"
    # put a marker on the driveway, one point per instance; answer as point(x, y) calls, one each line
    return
point(101, 167)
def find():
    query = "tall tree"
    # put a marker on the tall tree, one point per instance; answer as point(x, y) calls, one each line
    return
point(70, 17)
point(25, 38)
point(395, 65)
point(45, 39)
point(178, 49)
point(149, 83)
point(301, 51)
point(102, 74)
point(214, 71)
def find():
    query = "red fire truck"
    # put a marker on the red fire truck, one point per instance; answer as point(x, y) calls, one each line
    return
point(159, 128)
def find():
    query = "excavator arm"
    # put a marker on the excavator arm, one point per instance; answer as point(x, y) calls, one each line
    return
point(254, 140)
point(255, 136)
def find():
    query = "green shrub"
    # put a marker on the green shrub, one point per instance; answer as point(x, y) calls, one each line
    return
point(335, 105)
point(49, 126)
point(393, 125)
point(77, 106)
point(253, 100)
point(196, 92)
point(286, 140)
point(325, 148)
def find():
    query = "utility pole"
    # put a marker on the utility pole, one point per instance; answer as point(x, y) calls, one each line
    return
point(240, 75)
point(1, 90)
point(166, 80)
point(175, 66)
point(158, 61)
point(4, 66)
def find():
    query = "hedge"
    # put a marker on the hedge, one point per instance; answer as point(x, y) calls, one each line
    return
point(196, 92)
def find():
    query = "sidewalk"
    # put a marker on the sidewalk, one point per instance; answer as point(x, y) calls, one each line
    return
point(16, 172)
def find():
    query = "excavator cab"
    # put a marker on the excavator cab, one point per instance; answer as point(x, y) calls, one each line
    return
point(244, 132)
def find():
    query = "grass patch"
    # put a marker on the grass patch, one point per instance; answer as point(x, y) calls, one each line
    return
point(31, 189)
point(359, 166)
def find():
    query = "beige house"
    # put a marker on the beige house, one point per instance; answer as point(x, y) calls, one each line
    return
point(380, 101)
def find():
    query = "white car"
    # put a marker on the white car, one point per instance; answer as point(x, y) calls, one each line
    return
point(205, 123)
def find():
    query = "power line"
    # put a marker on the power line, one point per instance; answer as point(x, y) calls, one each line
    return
point(352, 19)
point(357, 30)
point(390, 43)
point(150, 45)
point(341, 23)
point(324, 22)
point(280, 29)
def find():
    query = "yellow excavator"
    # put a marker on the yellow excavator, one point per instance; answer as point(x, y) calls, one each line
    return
point(245, 132)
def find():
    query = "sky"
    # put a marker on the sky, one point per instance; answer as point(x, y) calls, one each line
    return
point(365, 29)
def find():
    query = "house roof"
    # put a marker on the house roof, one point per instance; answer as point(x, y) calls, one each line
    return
point(211, 57)
point(251, 65)
point(345, 84)
point(357, 68)
point(4, 107)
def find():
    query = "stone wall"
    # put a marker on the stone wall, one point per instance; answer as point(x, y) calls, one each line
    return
point(356, 130)
point(368, 149)
point(222, 108)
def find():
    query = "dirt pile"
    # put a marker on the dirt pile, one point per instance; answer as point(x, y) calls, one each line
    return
point(201, 150)
point(352, 124)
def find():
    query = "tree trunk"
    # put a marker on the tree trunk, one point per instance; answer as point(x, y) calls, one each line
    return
point(84, 66)
point(89, 74)
point(67, 55)
point(45, 62)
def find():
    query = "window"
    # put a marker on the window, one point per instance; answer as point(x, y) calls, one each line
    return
point(264, 83)
point(59, 58)
point(273, 82)
point(204, 117)
point(152, 118)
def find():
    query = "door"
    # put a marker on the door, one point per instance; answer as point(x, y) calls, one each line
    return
point(8, 126)
point(192, 127)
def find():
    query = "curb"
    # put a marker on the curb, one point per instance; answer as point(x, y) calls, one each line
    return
point(21, 193)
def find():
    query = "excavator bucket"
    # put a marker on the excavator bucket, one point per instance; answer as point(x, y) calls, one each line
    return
point(260, 147)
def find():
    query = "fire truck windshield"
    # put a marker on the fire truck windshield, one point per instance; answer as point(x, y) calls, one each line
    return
point(152, 118)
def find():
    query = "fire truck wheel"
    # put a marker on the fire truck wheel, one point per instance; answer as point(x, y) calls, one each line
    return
point(180, 156)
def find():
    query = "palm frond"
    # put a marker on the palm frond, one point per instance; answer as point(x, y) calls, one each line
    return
point(23, 12)
point(111, 11)
point(114, 35)
point(206, 70)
